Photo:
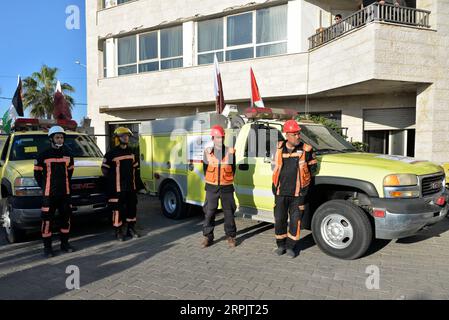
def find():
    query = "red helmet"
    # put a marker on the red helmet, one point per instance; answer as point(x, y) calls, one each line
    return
point(291, 126)
point(217, 131)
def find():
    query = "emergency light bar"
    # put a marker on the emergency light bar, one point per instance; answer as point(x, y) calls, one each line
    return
point(28, 124)
point(270, 113)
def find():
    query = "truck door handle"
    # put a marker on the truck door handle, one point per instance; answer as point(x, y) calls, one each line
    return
point(244, 167)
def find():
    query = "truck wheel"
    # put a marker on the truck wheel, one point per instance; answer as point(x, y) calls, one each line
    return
point(341, 229)
point(12, 233)
point(173, 207)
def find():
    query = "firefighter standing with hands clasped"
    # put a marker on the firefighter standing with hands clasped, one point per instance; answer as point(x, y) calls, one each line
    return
point(295, 163)
point(219, 170)
point(121, 168)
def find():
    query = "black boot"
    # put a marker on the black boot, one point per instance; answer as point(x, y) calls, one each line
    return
point(65, 245)
point(48, 250)
point(132, 231)
point(119, 234)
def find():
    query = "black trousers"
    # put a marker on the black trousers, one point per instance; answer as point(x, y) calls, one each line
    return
point(210, 208)
point(287, 233)
point(48, 210)
point(124, 207)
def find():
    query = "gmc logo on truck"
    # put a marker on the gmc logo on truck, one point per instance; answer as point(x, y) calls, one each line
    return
point(436, 185)
point(83, 186)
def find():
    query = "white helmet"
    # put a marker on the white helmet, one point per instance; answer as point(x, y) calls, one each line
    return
point(55, 129)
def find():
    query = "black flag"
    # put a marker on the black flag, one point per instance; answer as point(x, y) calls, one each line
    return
point(17, 99)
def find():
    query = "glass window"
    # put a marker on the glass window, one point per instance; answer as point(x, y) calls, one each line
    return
point(150, 66)
point(105, 62)
point(127, 50)
point(127, 70)
point(271, 49)
point(209, 57)
point(172, 63)
point(271, 24)
point(240, 29)
point(148, 48)
point(238, 54)
point(210, 35)
point(171, 42)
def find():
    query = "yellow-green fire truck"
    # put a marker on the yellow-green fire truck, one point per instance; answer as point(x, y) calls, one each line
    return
point(356, 197)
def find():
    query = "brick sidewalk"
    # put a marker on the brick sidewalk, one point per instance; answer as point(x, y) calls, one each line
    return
point(168, 263)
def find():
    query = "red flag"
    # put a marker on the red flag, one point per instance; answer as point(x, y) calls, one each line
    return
point(61, 109)
point(218, 88)
point(256, 99)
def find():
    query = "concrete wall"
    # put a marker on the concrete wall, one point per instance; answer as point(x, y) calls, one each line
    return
point(432, 134)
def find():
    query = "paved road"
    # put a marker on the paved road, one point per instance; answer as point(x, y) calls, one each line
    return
point(168, 263)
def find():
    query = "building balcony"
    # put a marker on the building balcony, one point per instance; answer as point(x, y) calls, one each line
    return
point(376, 12)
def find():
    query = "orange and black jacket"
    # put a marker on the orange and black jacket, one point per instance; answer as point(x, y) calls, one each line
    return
point(53, 170)
point(293, 169)
point(223, 168)
point(122, 167)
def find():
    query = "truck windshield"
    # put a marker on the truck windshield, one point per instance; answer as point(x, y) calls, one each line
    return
point(323, 139)
point(28, 147)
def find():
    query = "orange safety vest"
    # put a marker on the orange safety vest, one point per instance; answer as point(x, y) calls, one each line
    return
point(303, 177)
point(219, 173)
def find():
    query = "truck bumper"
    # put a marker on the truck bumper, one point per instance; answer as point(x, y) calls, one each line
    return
point(406, 217)
point(26, 213)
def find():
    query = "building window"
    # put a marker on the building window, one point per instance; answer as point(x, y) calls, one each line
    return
point(242, 36)
point(127, 59)
point(105, 64)
point(148, 52)
point(112, 3)
point(171, 48)
point(157, 50)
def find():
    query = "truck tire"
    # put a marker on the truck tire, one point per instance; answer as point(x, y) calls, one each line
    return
point(341, 229)
point(12, 233)
point(172, 204)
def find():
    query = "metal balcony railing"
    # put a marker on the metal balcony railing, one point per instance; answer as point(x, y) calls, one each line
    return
point(375, 12)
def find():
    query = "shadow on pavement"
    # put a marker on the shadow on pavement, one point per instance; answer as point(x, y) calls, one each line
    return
point(47, 277)
point(433, 231)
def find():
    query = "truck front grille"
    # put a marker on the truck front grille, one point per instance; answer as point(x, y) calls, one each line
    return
point(432, 185)
point(87, 186)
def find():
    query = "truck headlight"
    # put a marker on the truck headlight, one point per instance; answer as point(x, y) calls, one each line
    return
point(396, 180)
point(26, 187)
point(401, 186)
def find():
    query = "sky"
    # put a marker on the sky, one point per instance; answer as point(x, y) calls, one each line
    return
point(33, 33)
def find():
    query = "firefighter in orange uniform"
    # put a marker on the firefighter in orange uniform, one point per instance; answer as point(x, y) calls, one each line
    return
point(120, 167)
point(219, 170)
point(295, 163)
point(53, 170)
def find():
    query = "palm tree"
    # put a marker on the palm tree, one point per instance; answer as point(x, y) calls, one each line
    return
point(39, 89)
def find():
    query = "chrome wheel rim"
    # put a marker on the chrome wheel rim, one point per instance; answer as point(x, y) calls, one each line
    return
point(170, 202)
point(337, 231)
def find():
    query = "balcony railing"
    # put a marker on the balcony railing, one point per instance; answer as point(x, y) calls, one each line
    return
point(375, 12)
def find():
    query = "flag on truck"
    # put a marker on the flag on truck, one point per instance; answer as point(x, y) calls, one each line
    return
point(218, 88)
point(256, 99)
point(17, 99)
point(61, 109)
point(15, 110)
